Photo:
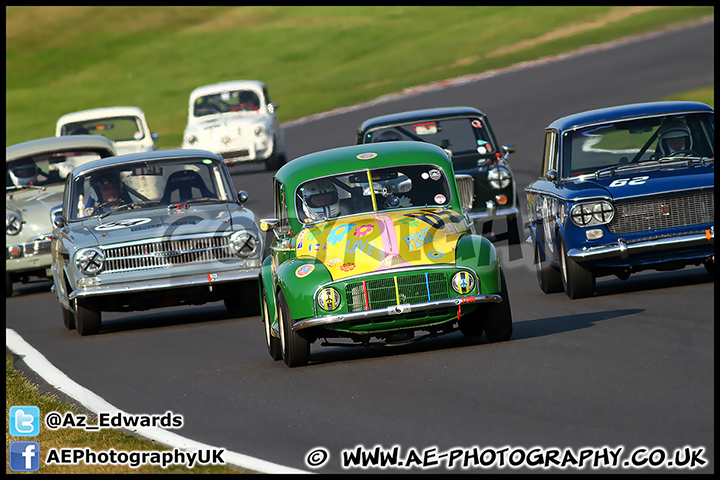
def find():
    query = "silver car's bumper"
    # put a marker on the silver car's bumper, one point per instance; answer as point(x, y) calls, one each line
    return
point(197, 280)
point(623, 249)
point(395, 310)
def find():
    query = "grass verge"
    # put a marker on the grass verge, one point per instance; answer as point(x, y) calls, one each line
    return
point(20, 391)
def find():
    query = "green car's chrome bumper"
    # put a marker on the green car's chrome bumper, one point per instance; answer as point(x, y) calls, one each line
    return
point(402, 309)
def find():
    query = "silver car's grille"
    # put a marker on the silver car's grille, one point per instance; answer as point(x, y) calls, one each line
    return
point(665, 212)
point(382, 292)
point(166, 253)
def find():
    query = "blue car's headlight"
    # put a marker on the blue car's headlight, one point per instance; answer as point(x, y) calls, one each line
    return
point(589, 214)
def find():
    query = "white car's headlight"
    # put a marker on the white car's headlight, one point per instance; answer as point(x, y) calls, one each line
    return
point(244, 244)
point(499, 177)
point(192, 139)
point(13, 224)
point(90, 261)
point(589, 214)
point(260, 131)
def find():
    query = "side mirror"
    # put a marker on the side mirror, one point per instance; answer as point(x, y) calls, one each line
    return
point(243, 196)
point(267, 224)
point(154, 135)
point(58, 220)
point(272, 107)
point(509, 148)
point(551, 175)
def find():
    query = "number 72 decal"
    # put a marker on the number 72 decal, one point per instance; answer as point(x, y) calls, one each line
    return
point(628, 181)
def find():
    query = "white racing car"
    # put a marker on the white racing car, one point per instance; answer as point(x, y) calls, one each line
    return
point(126, 127)
point(237, 121)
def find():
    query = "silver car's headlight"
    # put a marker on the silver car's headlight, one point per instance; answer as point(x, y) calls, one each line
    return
point(90, 261)
point(589, 214)
point(499, 177)
point(244, 244)
point(13, 224)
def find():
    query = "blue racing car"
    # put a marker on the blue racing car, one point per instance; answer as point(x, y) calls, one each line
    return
point(623, 189)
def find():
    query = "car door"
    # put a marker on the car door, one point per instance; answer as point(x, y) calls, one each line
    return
point(542, 201)
point(60, 248)
point(282, 244)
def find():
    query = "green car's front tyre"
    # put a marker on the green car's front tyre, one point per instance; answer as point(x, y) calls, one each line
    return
point(497, 321)
point(295, 349)
point(273, 343)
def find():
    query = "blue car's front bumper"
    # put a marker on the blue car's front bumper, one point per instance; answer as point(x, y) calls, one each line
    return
point(659, 247)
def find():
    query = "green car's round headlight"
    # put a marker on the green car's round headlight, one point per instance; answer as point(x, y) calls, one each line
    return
point(90, 261)
point(463, 282)
point(328, 299)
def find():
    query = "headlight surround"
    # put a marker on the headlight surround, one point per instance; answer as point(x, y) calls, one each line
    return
point(13, 224)
point(499, 177)
point(90, 261)
point(590, 214)
point(328, 299)
point(463, 282)
point(244, 244)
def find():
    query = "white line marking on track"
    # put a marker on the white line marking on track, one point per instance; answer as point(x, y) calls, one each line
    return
point(58, 380)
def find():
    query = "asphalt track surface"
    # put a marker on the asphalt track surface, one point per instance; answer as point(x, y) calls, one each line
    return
point(631, 368)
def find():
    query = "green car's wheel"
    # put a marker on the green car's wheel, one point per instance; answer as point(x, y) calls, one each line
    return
point(87, 316)
point(295, 349)
point(68, 318)
point(273, 343)
point(577, 281)
point(547, 275)
point(498, 317)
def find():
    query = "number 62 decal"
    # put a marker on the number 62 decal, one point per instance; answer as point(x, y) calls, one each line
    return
point(628, 181)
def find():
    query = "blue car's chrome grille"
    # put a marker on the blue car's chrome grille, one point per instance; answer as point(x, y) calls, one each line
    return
point(384, 292)
point(166, 253)
point(661, 213)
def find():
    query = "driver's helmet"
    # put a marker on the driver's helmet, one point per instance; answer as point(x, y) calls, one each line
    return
point(103, 178)
point(321, 198)
point(388, 136)
point(23, 172)
point(674, 135)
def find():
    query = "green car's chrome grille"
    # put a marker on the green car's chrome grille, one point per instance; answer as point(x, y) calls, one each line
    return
point(665, 212)
point(166, 253)
point(399, 289)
